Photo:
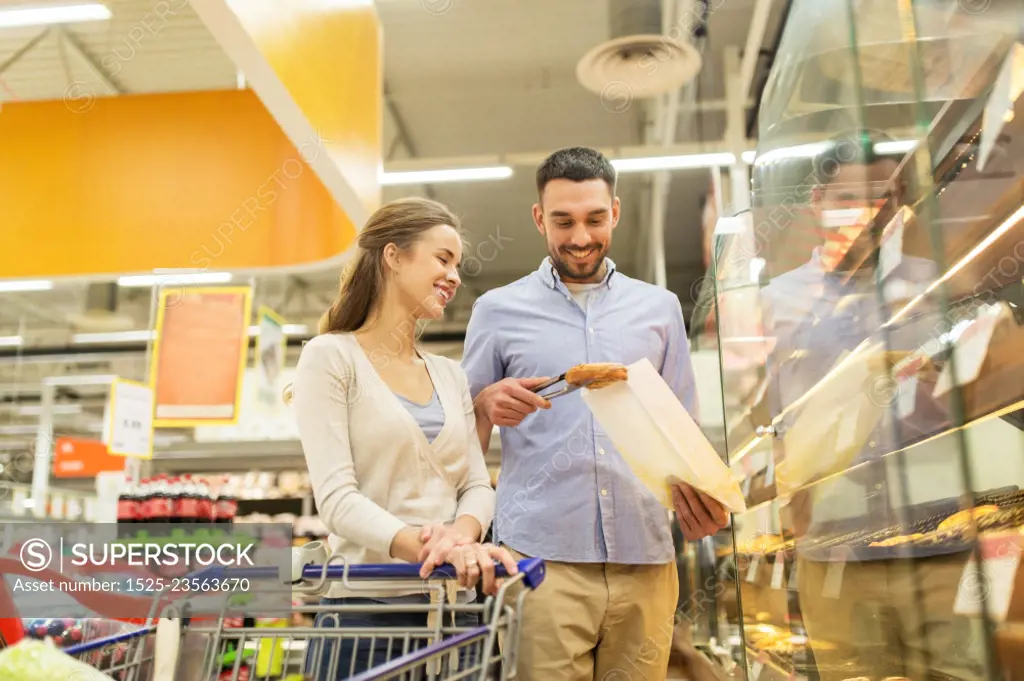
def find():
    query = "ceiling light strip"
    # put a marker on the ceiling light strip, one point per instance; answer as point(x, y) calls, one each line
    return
point(61, 14)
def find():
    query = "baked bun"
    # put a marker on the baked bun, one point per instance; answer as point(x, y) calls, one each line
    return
point(594, 376)
point(961, 520)
point(896, 541)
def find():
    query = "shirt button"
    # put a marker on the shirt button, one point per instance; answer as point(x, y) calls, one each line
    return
point(604, 493)
point(592, 330)
point(600, 452)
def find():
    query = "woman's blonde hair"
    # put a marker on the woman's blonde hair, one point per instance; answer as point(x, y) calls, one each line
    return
point(402, 223)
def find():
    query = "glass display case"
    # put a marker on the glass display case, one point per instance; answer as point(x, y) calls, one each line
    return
point(868, 313)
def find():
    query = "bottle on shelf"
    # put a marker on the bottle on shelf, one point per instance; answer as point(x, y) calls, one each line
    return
point(160, 505)
point(206, 502)
point(188, 501)
point(227, 507)
point(127, 506)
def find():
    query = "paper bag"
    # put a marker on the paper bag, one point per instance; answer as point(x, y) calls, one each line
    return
point(837, 416)
point(658, 439)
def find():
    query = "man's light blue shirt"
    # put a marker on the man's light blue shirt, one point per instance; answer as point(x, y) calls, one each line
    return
point(564, 492)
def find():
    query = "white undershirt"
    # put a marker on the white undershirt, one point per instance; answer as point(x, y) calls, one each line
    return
point(581, 292)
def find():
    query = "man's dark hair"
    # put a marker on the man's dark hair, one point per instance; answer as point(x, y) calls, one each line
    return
point(856, 147)
point(577, 164)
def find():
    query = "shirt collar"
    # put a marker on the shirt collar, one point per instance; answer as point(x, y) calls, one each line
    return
point(549, 275)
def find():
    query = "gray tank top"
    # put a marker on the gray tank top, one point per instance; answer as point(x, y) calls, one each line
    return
point(429, 416)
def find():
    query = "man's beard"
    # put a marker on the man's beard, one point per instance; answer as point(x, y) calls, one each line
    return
point(567, 270)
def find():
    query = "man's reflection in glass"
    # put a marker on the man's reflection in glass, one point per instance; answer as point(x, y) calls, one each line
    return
point(874, 620)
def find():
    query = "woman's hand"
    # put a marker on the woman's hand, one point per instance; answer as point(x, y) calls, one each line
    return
point(473, 561)
point(438, 541)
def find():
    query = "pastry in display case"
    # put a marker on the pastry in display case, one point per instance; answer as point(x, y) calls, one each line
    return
point(869, 316)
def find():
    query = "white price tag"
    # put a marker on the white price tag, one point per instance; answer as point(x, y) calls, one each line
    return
point(993, 583)
point(57, 507)
point(891, 253)
point(769, 478)
point(970, 352)
point(755, 562)
point(130, 410)
point(755, 672)
point(834, 574)
point(778, 570)
point(907, 396)
point(18, 501)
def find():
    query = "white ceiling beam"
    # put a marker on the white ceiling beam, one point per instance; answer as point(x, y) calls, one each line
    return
point(755, 38)
point(86, 59)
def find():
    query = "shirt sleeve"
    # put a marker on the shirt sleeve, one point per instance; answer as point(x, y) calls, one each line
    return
point(677, 369)
point(481, 355)
point(320, 387)
point(476, 496)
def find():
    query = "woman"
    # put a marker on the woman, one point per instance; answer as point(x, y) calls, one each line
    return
point(388, 431)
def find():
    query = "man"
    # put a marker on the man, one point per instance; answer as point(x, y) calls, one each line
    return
point(564, 493)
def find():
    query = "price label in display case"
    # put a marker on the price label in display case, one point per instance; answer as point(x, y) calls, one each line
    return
point(129, 427)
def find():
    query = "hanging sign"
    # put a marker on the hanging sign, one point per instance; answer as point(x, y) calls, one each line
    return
point(271, 346)
point(199, 356)
point(129, 425)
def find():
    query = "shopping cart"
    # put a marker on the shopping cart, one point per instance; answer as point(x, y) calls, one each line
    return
point(436, 638)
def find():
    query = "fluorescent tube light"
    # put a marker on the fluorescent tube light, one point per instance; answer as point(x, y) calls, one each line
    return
point(18, 285)
point(452, 175)
point(11, 341)
point(627, 165)
point(57, 410)
point(55, 14)
point(289, 330)
point(114, 336)
point(179, 279)
point(19, 429)
point(895, 147)
point(798, 151)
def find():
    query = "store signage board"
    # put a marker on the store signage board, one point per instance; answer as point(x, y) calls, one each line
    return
point(271, 346)
point(129, 427)
point(199, 355)
point(81, 458)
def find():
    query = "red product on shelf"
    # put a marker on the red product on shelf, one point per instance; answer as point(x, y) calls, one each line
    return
point(159, 504)
point(205, 502)
point(227, 507)
point(128, 506)
point(187, 502)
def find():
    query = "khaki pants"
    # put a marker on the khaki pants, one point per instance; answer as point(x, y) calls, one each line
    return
point(598, 622)
point(890, 618)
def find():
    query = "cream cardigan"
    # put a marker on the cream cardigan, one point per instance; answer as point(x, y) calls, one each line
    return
point(372, 469)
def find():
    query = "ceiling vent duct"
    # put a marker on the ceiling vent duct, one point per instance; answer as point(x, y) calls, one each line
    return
point(638, 61)
point(101, 313)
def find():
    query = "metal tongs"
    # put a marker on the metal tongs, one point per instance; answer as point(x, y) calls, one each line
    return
point(569, 388)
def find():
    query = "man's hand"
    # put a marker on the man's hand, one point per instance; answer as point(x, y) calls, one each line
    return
point(698, 514)
point(509, 401)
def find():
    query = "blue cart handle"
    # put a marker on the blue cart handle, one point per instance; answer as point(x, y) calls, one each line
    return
point(532, 570)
